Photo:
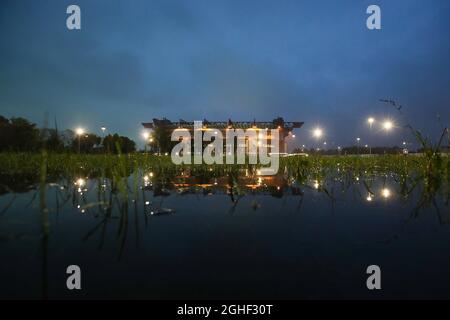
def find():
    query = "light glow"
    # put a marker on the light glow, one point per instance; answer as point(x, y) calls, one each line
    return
point(80, 182)
point(79, 131)
point(388, 125)
point(317, 132)
point(386, 193)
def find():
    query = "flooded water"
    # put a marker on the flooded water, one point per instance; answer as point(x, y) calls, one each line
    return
point(188, 238)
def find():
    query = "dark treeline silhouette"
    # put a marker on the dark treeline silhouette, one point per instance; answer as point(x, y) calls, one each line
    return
point(21, 135)
point(18, 134)
point(161, 140)
point(126, 145)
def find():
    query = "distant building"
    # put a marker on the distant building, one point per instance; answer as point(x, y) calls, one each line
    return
point(285, 128)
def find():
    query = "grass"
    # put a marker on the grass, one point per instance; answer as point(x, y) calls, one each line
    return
point(73, 165)
point(428, 173)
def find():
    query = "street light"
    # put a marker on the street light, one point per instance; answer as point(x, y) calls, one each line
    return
point(79, 132)
point(405, 147)
point(103, 133)
point(146, 136)
point(317, 133)
point(357, 143)
point(387, 125)
point(368, 147)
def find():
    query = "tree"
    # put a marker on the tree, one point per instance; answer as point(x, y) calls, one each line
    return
point(161, 139)
point(112, 142)
point(52, 140)
point(87, 143)
point(4, 133)
point(18, 134)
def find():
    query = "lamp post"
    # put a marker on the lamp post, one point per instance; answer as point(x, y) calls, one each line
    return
point(405, 147)
point(79, 132)
point(145, 135)
point(357, 144)
point(317, 133)
point(103, 133)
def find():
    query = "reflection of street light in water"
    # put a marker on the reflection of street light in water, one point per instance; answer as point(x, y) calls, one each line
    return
point(316, 184)
point(80, 182)
point(386, 193)
point(147, 179)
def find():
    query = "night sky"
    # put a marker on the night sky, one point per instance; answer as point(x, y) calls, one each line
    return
point(312, 61)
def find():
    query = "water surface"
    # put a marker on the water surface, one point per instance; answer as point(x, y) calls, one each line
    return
point(252, 237)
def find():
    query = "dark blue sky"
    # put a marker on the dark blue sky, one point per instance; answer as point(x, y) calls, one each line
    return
point(312, 61)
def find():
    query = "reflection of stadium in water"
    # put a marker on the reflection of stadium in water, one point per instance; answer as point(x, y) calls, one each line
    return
point(276, 186)
point(209, 221)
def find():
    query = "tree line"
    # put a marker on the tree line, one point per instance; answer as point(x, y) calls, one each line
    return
point(20, 135)
point(353, 150)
